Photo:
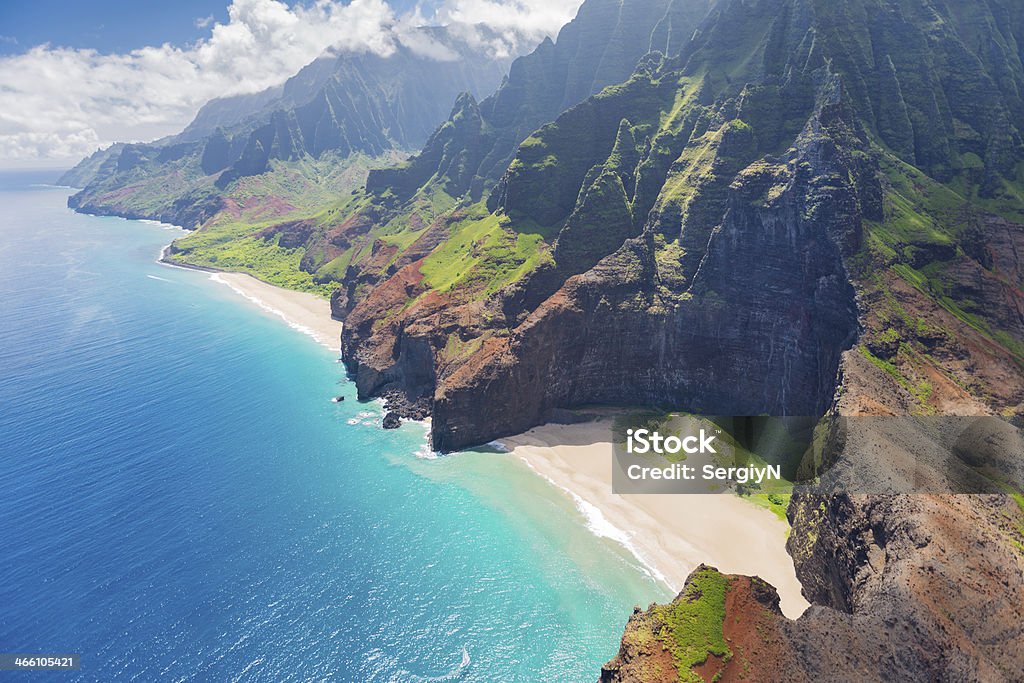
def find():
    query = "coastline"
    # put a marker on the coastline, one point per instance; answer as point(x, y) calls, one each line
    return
point(302, 311)
point(277, 463)
point(668, 534)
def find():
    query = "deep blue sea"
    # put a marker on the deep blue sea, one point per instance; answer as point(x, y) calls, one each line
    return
point(181, 500)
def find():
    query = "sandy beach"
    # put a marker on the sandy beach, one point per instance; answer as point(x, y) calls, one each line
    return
point(669, 534)
point(303, 311)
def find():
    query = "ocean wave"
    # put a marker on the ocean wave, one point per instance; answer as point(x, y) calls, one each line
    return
point(453, 675)
point(599, 525)
point(157, 277)
point(298, 327)
point(161, 224)
point(425, 452)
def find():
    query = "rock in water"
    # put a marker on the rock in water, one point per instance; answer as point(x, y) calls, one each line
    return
point(392, 421)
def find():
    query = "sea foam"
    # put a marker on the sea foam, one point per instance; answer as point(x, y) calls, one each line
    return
point(599, 525)
point(298, 327)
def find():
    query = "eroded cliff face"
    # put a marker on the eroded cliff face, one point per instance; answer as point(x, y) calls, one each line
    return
point(730, 297)
point(706, 234)
point(758, 327)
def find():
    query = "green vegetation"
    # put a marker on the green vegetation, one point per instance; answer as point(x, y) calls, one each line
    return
point(1007, 200)
point(550, 167)
point(924, 240)
point(246, 238)
point(455, 348)
point(1017, 496)
point(235, 248)
point(304, 186)
point(776, 503)
point(483, 254)
point(921, 390)
point(694, 622)
point(883, 365)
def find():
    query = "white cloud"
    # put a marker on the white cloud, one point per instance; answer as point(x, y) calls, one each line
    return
point(203, 22)
point(422, 44)
point(532, 18)
point(60, 103)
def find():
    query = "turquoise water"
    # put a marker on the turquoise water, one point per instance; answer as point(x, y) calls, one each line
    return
point(181, 500)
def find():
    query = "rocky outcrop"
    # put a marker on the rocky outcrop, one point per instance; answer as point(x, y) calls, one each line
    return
point(737, 632)
point(903, 588)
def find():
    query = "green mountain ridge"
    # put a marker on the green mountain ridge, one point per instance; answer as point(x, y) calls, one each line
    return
point(600, 47)
point(340, 106)
point(468, 153)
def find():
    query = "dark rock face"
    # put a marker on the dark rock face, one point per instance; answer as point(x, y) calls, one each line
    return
point(758, 326)
point(392, 420)
point(594, 347)
point(931, 581)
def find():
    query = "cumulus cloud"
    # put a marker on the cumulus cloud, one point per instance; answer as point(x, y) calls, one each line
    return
point(60, 103)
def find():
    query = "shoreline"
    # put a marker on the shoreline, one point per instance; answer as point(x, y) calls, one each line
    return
point(302, 311)
point(669, 535)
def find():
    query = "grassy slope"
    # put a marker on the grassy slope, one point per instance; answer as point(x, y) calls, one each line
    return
point(483, 254)
point(316, 190)
point(694, 623)
point(918, 242)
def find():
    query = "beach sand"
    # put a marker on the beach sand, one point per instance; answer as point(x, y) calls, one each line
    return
point(303, 311)
point(669, 534)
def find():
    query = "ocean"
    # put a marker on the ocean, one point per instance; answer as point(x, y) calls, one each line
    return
point(180, 499)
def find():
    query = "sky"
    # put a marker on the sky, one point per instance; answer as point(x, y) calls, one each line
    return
point(77, 75)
